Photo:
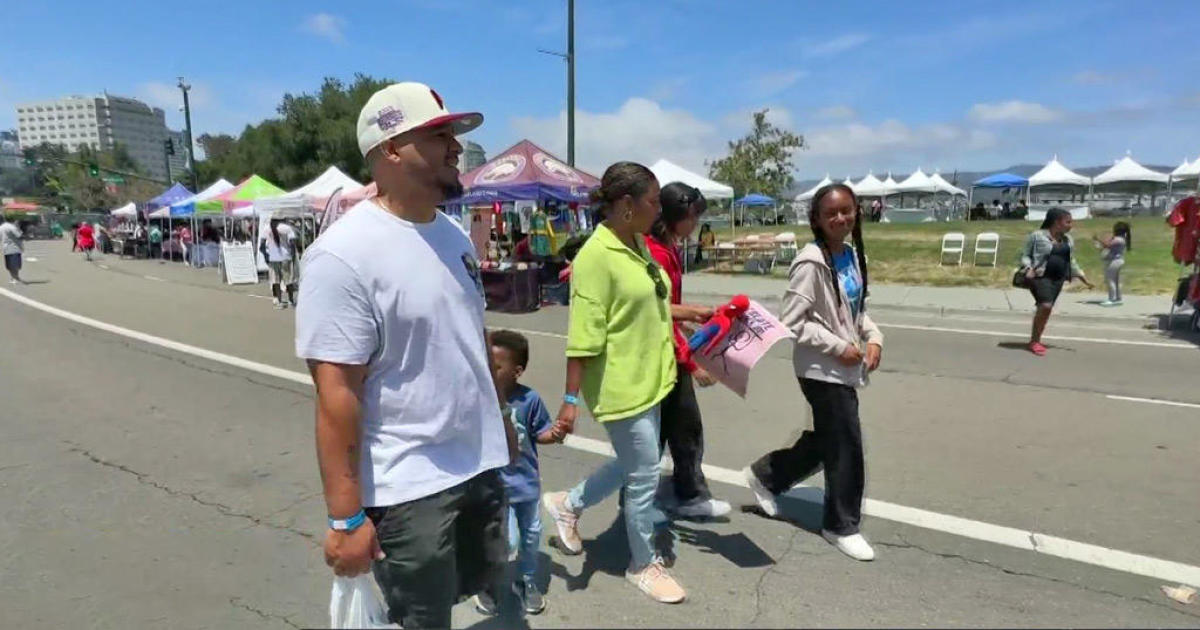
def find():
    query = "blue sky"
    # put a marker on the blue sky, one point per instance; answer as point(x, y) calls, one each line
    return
point(871, 85)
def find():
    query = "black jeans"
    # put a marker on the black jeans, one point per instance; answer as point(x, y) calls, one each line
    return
point(835, 443)
point(441, 549)
point(683, 432)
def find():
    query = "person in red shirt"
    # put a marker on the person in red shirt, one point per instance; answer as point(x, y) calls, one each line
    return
point(682, 429)
point(87, 240)
point(1185, 218)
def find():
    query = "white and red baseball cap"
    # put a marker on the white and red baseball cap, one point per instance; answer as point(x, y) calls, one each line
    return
point(402, 107)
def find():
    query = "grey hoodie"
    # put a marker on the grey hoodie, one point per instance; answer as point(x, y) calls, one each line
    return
point(823, 331)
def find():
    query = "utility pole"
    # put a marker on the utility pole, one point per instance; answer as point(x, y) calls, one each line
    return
point(571, 83)
point(187, 119)
point(168, 151)
point(569, 57)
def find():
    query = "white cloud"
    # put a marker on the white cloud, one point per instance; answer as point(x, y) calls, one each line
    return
point(772, 83)
point(738, 123)
point(169, 97)
point(836, 112)
point(1092, 77)
point(640, 130)
point(1013, 112)
point(839, 44)
point(666, 89)
point(326, 25)
point(856, 147)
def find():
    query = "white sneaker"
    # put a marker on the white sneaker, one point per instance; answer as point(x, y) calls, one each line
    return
point(703, 508)
point(765, 499)
point(854, 545)
point(278, 305)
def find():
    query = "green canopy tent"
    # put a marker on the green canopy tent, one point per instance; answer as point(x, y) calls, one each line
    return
point(252, 188)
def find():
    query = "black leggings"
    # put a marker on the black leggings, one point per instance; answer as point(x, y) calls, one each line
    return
point(835, 443)
point(683, 431)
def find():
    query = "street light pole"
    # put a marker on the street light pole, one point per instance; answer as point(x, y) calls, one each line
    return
point(187, 119)
point(571, 83)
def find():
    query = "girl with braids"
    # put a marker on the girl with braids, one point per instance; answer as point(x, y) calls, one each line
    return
point(837, 344)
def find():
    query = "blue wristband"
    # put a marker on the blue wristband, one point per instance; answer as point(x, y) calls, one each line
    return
point(350, 524)
point(571, 399)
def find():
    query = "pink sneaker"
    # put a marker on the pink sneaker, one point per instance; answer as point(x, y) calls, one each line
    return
point(1037, 349)
point(656, 583)
point(566, 520)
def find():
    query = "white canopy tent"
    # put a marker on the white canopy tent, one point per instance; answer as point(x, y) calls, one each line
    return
point(1186, 173)
point(217, 188)
point(667, 172)
point(850, 184)
point(944, 186)
point(1056, 177)
point(127, 211)
point(870, 186)
point(811, 192)
point(306, 199)
point(1127, 176)
point(890, 185)
point(918, 182)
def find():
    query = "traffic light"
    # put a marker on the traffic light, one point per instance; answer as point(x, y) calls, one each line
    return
point(169, 147)
point(30, 158)
point(93, 169)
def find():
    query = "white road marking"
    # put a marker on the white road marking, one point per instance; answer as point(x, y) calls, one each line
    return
point(154, 278)
point(102, 266)
point(1115, 559)
point(1025, 335)
point(1154, 401)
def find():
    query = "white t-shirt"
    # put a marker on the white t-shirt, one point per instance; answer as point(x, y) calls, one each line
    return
point(405, 300)
point(281, 251)
point(10, 239)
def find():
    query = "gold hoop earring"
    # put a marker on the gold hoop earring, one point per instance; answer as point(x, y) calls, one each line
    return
point(628, 216)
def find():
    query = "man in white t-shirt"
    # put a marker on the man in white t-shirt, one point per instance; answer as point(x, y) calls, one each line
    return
point(409, 424)
point(278, 247)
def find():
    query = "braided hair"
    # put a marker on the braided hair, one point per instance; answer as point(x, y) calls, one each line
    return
point(814, 213)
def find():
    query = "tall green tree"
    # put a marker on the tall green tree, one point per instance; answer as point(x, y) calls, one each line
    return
point(312, 133)
point(761, 161)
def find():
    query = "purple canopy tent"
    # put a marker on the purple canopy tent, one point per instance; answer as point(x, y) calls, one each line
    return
point(525, 172)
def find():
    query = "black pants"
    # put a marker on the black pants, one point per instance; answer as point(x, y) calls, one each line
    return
point(683, 432)
point(441, 549)
point(834, 443)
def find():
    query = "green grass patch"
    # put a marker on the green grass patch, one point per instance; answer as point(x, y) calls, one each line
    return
point(908, 253)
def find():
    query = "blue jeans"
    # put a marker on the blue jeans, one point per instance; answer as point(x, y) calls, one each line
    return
point(525, 535)
point(635, 440)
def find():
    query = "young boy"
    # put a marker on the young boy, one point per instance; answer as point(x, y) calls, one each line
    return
point(510, 357)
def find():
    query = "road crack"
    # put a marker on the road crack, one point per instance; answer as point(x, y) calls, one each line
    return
point(762, 579)
point(225, 510)
point(236, 602)
point(904, 544)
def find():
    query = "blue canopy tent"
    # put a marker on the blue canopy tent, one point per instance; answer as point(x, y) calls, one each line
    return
point(752, 200)
point(169, 196)
point(999, 180)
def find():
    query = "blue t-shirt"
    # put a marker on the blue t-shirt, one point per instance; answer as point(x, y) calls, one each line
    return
point(848, 277)
point(530, 418)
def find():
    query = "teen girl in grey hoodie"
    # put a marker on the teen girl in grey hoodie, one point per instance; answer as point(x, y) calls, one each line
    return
point(837, 345)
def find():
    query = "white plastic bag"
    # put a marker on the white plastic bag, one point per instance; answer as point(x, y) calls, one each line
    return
point(357, 603)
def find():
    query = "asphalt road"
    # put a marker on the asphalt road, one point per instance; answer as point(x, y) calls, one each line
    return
point(147, 486)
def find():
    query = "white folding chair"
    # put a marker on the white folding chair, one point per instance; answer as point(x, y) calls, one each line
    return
point(953, 243)
point(988, 244)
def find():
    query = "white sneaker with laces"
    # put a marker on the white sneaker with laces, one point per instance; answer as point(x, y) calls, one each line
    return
point(654, 580)
point(854, 545)
point(766, 500)
point(703, 508)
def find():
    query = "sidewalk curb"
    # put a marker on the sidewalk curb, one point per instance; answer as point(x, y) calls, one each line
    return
point(1141, 321)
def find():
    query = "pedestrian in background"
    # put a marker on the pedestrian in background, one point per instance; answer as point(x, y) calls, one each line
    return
point(12, 245)
point(1048, 261)
point(836, 346)
point(278, 247)
point(1113, 255)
